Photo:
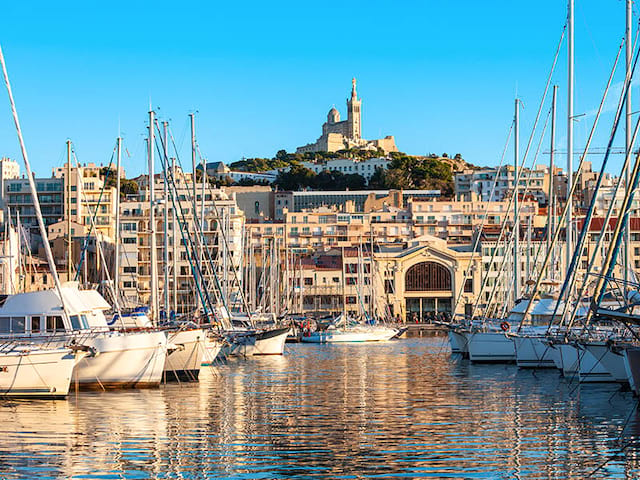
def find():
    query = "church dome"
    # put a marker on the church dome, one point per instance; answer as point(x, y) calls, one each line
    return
point(333, 116)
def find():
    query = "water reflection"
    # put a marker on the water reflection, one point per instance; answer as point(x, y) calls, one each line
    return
point(398, 409)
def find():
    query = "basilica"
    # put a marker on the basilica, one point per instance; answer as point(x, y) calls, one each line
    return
point(341, 135)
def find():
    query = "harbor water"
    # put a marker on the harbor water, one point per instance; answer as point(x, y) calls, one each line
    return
point(399, 409)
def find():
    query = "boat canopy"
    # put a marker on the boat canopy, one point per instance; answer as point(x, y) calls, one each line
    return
point(47, 302)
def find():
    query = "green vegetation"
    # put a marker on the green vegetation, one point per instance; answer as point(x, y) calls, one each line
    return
point(299, 177)
point(410, 172)
point(127, 187)
point(284, 159)
point(405, 172)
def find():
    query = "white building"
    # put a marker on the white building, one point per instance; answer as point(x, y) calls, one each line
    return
point(365, 168)
point(479, 184)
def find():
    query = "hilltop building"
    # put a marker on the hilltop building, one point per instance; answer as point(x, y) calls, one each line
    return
point(344, 134)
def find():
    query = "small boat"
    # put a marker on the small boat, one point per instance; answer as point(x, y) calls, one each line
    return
point(347, 330)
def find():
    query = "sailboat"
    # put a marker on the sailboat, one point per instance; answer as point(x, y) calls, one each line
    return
point(67, 316)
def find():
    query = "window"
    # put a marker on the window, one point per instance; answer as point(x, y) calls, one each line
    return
point(468, 285)
point(351, 300)
point(75, 322)
point(55, 324)
point(351, 280)
point(5, 324)
point(308, 281)
point(129, 269)
point(389, 286)
point(335, 280)
point(129, 240)
point(35, 325)
point(427, 276)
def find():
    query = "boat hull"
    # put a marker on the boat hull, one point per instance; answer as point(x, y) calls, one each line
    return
point(122, 360)
point(611, 360)
point(490, 347)
point(36, 373)
point(212, 350)
point(458, 343)
point(531, 352)
point(268, 342)
point(360, 335)
point(632, 367)
point(183, 364)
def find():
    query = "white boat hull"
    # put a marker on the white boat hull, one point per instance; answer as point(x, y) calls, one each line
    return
point(458, 343)
point(612, 361)
point(212, 349)
point(355, 335)
point(592, 370)
point(569, 359)
point(183, 364)
point(493, 347)
point(632, 367)
point(270, 342)
point(122, 360)
point(531, 352)
point(36, 373)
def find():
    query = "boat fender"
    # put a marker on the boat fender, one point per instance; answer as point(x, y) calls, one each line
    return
point(505, 326)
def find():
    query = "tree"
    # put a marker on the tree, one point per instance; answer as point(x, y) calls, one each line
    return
point(296, 178)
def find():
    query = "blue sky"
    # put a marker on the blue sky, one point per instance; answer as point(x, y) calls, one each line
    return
point(439, 75)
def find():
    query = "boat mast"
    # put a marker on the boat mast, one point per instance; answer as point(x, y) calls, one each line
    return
point(116, 268)
point(570, 82)
point(69, 249)
point(152, 224)
point(174, 237)
point(628, 140)
point(165, 220)
point(551, 200)
point(195, 199)
point(516, 220)
point(32, 187)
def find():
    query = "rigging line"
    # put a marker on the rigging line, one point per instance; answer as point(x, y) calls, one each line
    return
point(98, 242)
point(198, 268)
point(179, 211)
point(603, 230)
point(587, 220)
point(185, 237)
point(86, 241)
point(210, 271)
point(484, 219)
point(544, 95)
point(573, 187)
point(226, 242)
point(196, 223)
point(511, 236)
point(518, 173)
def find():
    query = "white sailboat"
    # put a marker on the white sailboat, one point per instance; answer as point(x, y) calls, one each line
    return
point(347, 330)
point(119, 358)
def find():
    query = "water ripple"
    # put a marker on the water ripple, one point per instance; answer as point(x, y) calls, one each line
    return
point(404, 409)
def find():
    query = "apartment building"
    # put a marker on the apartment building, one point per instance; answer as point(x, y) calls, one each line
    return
point(365, 168)
point(479, 184)
point(222, 232)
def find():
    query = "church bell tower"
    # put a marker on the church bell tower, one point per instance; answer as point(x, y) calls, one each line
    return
point(353, 114)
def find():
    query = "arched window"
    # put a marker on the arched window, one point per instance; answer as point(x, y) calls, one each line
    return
point(427, 277)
